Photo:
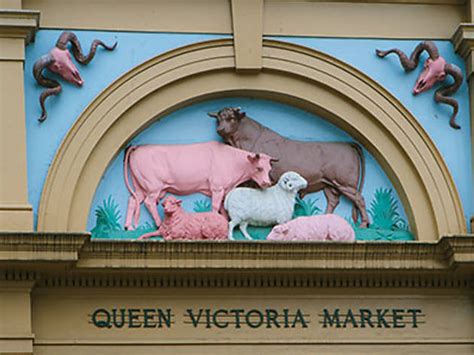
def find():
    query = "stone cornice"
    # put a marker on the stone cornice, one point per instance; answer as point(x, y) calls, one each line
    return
point(463, 41)
point(40, 247)
point(32, 249)
point(19, 24)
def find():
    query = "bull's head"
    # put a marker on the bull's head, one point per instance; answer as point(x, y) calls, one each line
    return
point(228, 120)
point(432, 73)
point(62, 65)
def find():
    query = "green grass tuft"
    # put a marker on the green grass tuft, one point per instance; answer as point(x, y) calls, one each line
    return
point(306, 207)
point(107, 217)
point(203, 205)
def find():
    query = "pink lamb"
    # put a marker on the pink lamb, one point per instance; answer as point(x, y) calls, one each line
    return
point(179, 224)
point(316, 228)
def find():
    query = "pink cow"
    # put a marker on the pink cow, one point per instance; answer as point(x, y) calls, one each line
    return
point(211, 168)
point(179, 224)
point(317, 228)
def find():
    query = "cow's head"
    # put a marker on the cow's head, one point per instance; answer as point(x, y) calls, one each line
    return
point(171, 204)
point(292, 182)
point(432, 73)
point(261, 166)
point(63, 65)
point(228, 120)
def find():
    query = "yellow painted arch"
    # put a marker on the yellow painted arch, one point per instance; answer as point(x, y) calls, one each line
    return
point(291, 74)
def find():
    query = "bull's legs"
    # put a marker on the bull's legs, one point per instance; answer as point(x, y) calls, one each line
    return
point(332, 196)
point(359, 202)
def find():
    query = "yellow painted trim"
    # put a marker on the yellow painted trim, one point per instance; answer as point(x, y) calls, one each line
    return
point(291, 74)
point(247, 23)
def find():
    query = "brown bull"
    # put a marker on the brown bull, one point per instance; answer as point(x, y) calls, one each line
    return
point(336, 168)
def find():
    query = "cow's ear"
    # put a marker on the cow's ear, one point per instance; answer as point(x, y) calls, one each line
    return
point(253, 158)
point(213, 114)
point(179, 202)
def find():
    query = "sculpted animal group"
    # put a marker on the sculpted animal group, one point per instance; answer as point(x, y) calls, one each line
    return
point(334, 167)
point(435, 70)
point(180, 225)
point(275, 205)
point(59, 61)
point(211, 168)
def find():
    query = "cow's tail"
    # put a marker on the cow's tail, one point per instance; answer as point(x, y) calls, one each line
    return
point(359, 151)
point(126, 162)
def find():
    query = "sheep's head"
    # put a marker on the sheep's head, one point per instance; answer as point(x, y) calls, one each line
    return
point(63, 66)
point(432, 73)
point(292, 182)
point(171, 204)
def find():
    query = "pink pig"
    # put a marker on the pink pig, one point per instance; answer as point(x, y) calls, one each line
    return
point(316, 228)
point(179, 224)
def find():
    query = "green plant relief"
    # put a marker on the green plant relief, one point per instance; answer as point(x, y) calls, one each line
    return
point(384, 210)
point(203, 205)
point(107, 217)
point(304, 208)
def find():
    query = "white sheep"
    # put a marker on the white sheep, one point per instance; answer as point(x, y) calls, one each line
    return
point(268, 207)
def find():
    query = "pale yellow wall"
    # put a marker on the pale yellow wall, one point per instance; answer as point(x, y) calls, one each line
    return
point(372, 19)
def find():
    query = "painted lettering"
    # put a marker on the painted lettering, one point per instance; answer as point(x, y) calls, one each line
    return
point(194, 320)
point(365, 316)
point(101, 318)
point(299, 317)
point(331, 319)
point(414, 313)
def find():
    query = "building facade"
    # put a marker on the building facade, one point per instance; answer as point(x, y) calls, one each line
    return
point(109, 107)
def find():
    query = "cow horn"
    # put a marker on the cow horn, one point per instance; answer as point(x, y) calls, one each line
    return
point(411, 63)
point(213, 114)
point(67, 37)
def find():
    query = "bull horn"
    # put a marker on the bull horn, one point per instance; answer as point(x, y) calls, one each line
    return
point(67, 37)
point(53, 87)
point(411, 63)
point(213, 114)
point(274, 160)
